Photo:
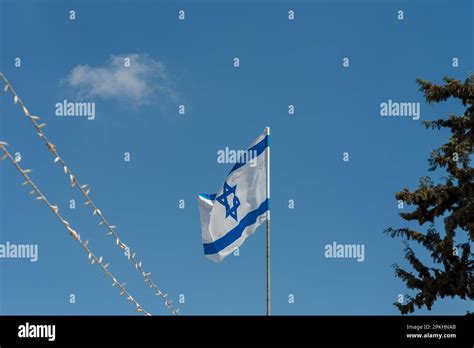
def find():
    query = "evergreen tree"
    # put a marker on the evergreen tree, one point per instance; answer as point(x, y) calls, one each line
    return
point(451, 200)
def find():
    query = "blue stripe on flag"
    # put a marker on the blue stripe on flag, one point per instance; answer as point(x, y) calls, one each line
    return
point(236, 232)
point(259, 147)
point(211, 197)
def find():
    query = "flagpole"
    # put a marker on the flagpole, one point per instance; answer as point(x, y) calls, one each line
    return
point(267, 131)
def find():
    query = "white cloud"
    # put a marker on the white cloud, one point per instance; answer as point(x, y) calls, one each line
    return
point(145, 81)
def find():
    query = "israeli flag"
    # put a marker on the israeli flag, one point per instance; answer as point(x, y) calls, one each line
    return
point(240, 205)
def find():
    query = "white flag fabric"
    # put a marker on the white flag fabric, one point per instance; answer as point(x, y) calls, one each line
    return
point(240, 205)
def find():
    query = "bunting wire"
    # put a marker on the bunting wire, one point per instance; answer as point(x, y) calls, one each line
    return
point(74, 234)
point(85, 190)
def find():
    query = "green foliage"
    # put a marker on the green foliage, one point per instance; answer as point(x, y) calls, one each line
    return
point(452, 200)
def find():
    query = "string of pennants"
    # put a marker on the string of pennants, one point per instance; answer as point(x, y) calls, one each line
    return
point(85, 190)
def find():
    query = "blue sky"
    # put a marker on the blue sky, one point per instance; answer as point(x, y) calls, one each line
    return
point(174, 156)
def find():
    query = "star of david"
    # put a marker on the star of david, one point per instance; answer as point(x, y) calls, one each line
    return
point(222, 199)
